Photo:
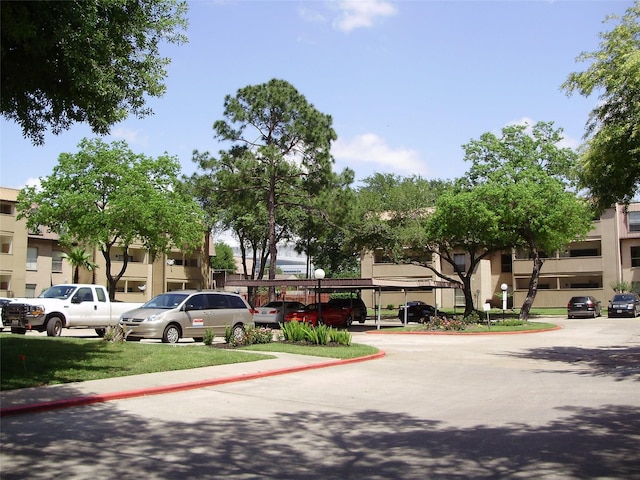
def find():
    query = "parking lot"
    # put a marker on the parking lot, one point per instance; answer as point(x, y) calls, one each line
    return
point(562, 404)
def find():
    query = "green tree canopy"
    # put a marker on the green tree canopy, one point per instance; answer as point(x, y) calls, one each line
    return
point(223, 259)
point(278, 162)
point(529, 175)
point(610, 164)
point(109, 197)
point(83, 61)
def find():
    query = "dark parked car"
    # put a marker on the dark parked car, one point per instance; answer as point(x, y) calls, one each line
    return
point(624, 305)
point(584, 306)
point(417, 311)
point(356, 304)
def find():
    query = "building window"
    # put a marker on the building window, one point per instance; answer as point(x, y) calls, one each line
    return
point(30, 290)
point(506, 265)
point(5, 243)
point(56, 261)
point(460, 261)
point(633, 218)
point(635, 256)
point(32, 258)
point(6, 208)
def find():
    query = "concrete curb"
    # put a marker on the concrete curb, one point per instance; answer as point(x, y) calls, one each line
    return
point(107, 397)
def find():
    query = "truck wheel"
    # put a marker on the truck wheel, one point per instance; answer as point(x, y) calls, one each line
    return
point(18, 330)
point(54, 327)
point(171, 334)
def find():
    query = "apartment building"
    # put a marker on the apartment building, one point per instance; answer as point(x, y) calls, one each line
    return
point(610, 253)
point(31, 261)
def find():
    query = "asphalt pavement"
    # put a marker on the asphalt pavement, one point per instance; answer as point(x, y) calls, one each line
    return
point(560, 404)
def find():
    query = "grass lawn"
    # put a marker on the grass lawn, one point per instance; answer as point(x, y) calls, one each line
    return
point(35, 361)
point(495, 328)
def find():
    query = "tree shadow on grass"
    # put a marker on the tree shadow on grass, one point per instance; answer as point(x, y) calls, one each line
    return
point(618, 362)
point(101, 441)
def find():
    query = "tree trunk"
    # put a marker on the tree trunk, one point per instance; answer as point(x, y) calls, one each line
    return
point(533, 285)
point(273, 250)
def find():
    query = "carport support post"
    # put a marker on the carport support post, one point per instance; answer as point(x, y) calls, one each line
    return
point(504, 287)
point(319, 274)
point(406, 308)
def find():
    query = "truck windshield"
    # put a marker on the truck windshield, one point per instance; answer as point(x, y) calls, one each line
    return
point(59, 291)
point(166, 300)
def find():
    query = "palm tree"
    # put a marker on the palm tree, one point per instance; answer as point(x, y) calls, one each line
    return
point(78, 258)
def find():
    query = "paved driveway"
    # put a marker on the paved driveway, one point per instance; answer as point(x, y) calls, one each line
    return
point(555, 405)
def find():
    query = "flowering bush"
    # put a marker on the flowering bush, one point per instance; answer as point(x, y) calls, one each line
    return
point(445, 323)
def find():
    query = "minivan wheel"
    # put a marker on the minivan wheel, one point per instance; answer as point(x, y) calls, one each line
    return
point(238, 332)
point(171, 334)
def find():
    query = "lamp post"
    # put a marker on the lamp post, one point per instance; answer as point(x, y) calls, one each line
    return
point(319, 274)
point(504, 287)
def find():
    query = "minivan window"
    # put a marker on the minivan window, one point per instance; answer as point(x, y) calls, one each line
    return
point(166, 301)
point(197, 302)
point(218, 301)
point(236, 302)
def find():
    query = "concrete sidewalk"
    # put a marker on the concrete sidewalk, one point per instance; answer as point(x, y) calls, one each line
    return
point(51, 397)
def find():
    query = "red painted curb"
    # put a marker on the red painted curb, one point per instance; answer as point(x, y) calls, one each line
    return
point(379, 332)
point(107, 397)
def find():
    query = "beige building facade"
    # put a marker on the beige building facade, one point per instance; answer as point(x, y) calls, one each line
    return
point(610, 253)
point(32, 261)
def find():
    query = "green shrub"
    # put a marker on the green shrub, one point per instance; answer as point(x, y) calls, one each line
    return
point(114, 333)
point(341, 337)
point(294, 331)
point(318, 335)
point(208, 336)
point(228, 334)
point(390, 306)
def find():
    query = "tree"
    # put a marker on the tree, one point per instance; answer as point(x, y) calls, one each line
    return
point(223, 260)
point(468, 220)
point(530, 175)
point(78, 258)
point(610, 163)
point(109, 197)
point(81, 61)
point(392, 211)
point(280, 155)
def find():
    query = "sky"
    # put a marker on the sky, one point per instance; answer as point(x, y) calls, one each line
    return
point(407, 83)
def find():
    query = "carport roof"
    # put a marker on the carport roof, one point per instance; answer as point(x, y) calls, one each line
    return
point(386, 283)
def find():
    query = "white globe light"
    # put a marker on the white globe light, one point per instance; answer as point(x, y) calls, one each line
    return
point(504, 287)
point(319, 273)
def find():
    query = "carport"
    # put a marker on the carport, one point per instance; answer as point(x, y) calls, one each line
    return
point(378, 285)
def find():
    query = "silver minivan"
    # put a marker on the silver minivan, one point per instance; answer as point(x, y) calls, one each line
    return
point(188, 314)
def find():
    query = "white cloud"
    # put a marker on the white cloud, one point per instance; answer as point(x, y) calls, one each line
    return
point(361, 13)
point(132, 137)
point(310, 15)
point(371, 152)
point(566, 142)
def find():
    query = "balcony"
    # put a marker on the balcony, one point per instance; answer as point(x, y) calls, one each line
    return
point(565, 265)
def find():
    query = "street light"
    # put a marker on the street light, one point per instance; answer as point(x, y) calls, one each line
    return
point(504, 288)
point(319, 274)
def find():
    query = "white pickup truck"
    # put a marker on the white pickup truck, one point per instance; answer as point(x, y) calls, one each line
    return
point(64, 306)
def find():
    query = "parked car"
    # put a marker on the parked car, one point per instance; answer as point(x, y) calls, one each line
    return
point(356, 304)
point(417, 311)
point(624, 305)
point(584, 306)
point(188, 313)
point(272, 313)
point(331, 315)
